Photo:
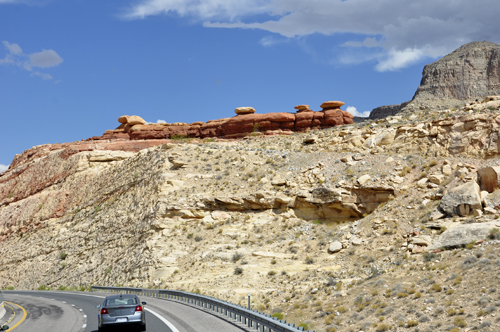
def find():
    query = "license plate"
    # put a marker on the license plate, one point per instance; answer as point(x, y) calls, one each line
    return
point(121, 320)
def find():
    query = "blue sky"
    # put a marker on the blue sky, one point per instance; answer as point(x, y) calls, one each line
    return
point(70, 68)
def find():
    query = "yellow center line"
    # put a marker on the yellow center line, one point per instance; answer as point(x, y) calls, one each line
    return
point(22, 319)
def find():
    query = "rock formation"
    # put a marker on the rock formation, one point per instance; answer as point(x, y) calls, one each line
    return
point(470, 72)
point(245, 123)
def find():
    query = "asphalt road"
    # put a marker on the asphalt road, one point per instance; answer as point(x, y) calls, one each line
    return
point(76, 311)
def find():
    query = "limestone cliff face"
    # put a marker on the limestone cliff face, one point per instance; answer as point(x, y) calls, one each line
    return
point(472, 71)
point(468, 73)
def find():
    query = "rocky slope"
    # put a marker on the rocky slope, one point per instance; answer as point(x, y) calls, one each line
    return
point(384, 225)
point(470, 72)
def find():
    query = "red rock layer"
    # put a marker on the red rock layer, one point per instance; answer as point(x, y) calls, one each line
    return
point(235, 127)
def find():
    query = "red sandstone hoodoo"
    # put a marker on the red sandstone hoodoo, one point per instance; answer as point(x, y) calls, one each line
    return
point(246, 122)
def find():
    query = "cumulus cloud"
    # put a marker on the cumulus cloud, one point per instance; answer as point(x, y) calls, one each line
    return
point(161, 121)
point(402, 31)
point(354, 111)
point(44, 59)
point(3, 168)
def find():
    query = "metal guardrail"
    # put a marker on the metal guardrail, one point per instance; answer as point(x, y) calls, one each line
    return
point(252, 318)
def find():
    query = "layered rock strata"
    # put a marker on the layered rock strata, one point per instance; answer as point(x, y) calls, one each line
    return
point(245, 123)
point(468, 74)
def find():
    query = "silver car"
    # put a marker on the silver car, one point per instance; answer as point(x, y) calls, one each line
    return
point(120, 311)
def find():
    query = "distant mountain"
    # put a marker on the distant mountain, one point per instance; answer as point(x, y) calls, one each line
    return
point(470, 72)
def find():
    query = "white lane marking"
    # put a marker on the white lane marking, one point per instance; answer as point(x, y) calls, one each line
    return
point(166, 322)
point(84, 316)
point(84, 326)
point(80, 309)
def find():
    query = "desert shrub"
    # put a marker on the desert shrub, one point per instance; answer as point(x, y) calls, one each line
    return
point(238, 271)
point(278, 315)
point(494, 234)
point(428, 256)
point(436, 287)
point(236, 257)
point(470, 260)
point(411, 323)
point(382, 328)
point(309, 260)
point(460, 322)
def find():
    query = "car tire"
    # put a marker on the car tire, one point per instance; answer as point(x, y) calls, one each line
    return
point(142, 328)
point(101, 329)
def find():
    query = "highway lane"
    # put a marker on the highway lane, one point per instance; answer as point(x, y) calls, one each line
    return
point(174, 317)
point(52, 315)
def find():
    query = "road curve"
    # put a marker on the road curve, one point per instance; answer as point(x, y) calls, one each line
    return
point(41, 312)
point(161, 315)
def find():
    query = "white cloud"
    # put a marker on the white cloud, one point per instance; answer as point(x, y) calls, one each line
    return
point(44, 59)
point(368, 42)
point(13, 48)
point(399, 31)
point(354, 111)
point(3, 168)
point(272, 40)
point(44, 76)
point(161, 121)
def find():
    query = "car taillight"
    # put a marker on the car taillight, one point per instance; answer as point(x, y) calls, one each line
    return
point(104, 311)
point(138, 308)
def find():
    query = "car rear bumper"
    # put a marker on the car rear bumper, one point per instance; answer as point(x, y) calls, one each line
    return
point(136, 319)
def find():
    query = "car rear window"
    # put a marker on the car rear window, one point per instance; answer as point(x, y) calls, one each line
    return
point(121, 301)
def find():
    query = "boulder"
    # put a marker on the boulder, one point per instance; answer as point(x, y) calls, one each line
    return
point(334, 247)
point(123, 119)
point(421, 240)
point(310, 139)
point(131, 120)
point(364, 179)
point(447, 170)
point(331, 104)
point(244, 110)
point(302, 107)
point(462, 235)
point(489, 178)
point(436, 179)
point(461, 200)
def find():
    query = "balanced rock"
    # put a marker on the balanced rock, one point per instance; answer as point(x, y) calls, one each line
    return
point(131, 120)
point(302, 107)
point(244, 110)
point(327, 105)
